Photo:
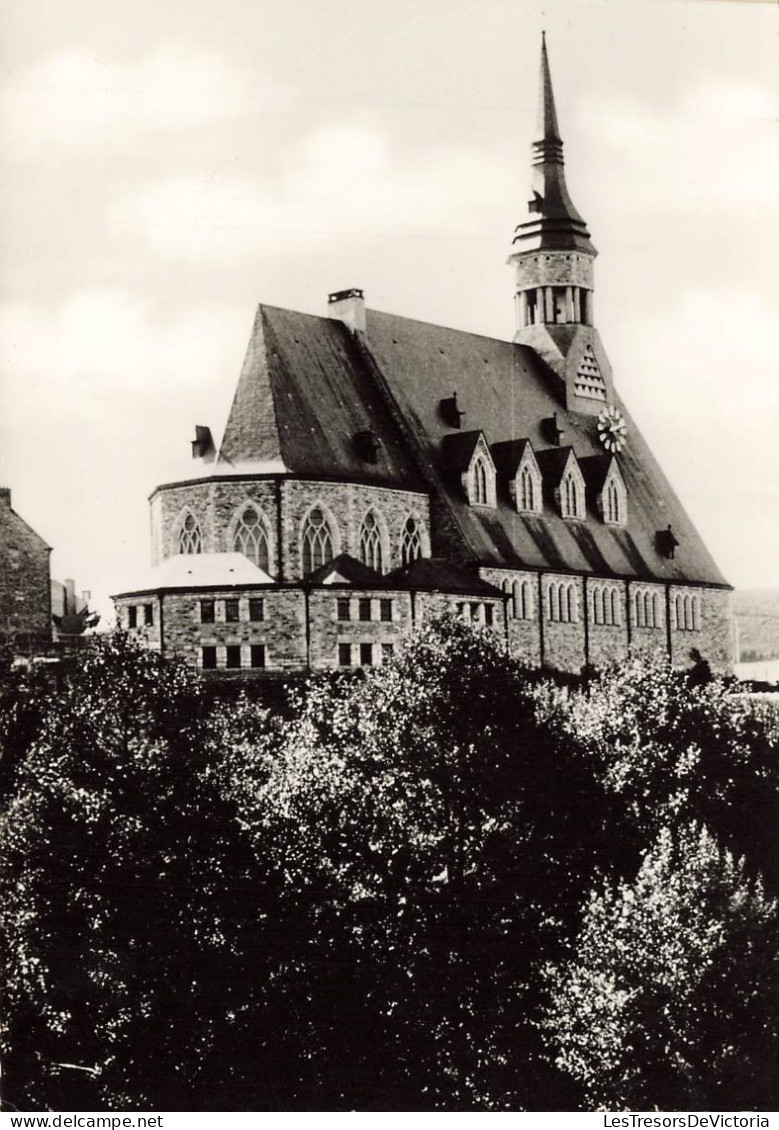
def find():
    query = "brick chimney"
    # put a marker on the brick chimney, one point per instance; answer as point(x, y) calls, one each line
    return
point(348, 306)
point(5, 497)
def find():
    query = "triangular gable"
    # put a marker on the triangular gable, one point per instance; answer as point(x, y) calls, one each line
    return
point(345, 570)
point(588, 382)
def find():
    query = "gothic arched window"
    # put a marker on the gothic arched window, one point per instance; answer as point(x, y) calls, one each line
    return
point(570, 497)
point(527, 491)
point(317, 541)
point(190, 540)
point(410, 542)
point(480, 496)
point(613, 508)
point(251, 539)
point(371, 553)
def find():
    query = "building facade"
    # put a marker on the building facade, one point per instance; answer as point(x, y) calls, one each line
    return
point(25, 596)
point(376, 470)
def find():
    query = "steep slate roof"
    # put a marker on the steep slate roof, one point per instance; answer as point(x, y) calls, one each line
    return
point(302, 397)
point(309, 386)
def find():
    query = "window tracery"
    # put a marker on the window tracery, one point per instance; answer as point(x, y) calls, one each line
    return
point(317, 540)
point(251, 539)
point(190, 539)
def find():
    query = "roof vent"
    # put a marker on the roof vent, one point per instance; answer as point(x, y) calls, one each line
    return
point(666, 543)
point(203, 444)
point(348, 306)
point(367, 444)
point(450, 413)
point(551, 430)
point(5, 495)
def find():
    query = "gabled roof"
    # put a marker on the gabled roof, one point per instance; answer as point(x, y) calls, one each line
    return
point(345, 569)
point(436, 574)
point(459, 448)
point(596, 469)
point(327, 384)
point(552, 464)
point(509, 454)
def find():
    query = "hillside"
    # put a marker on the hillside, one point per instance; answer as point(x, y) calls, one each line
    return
point(756, 612)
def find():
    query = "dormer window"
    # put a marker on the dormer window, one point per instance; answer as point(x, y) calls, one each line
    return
point(479, 479)
point(526, 488)
point(572, 494)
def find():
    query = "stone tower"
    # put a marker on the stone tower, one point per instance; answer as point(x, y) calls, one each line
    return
point(553, 259)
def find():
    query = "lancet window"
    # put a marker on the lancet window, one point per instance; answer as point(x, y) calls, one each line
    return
point(190, 539)
point(317, 541)
point(251, 538)
point(371, 553)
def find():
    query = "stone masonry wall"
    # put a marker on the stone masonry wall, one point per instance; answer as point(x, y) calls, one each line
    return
point(216, 504)
point(25, 593)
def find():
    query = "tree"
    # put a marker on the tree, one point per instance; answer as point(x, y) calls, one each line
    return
point(430, 848)
point(668, 1000)
point(670, 750)
point(127, 949)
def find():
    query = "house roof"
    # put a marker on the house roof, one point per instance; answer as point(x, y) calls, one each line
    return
point(345, 569)
point(309, 385)
point(440, 575)
point(199, 570)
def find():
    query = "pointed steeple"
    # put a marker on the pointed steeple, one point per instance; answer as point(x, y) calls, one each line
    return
point(548, 128)
point(553, 256)
point(554, 223)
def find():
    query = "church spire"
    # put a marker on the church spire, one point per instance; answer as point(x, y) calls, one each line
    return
point(553, 258)
point(554, 222)
point(548, 128)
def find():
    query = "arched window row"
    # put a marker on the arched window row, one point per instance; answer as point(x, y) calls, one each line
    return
point(687, 612)
point(647, 609)
point(319, 539)
point(562, 602)
point(605, 605)
point(520, 604)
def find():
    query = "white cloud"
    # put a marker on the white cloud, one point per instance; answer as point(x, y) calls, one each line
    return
point(675, 161)
point(76, 101)
point(103, 340)
point(343, 179)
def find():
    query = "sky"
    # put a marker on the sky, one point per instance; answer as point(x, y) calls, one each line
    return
point(168, 166)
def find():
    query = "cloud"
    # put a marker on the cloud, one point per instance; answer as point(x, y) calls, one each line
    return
point(636, 142)
point(101, 341)
point(76, 101)
point(343, 179)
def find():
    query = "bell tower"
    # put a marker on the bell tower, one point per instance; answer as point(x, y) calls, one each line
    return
point(553, 258)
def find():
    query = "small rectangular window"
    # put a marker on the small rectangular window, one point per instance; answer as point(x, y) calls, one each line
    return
point(256, 608)
point(207, 611)
point(488, 615)
point(148, 613)
point(366, 654)
point(344, 655)
point(132, 617)
point(208, 658)
point(365, 609)
point(387, 652)
point(258, 655)
point(232, 613)
point(233, 655)
point(344, 608)
point(386, 609)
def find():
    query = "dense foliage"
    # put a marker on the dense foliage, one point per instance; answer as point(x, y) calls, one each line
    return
point(449, 884)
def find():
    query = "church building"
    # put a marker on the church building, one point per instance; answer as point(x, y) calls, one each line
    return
point(376, 470)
